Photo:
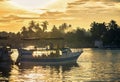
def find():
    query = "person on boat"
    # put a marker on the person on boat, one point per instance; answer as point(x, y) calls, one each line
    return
point(66, 51)
point(51, 46)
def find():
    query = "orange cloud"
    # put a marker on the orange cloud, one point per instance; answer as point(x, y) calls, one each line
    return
point(76, 12)
point(4, 0)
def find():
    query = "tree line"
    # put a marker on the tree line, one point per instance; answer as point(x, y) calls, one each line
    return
point(108, 33)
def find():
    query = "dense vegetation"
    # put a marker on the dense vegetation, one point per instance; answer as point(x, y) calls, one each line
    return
point(108, 33)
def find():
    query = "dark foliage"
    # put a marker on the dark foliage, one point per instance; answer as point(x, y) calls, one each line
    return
point(109, 33)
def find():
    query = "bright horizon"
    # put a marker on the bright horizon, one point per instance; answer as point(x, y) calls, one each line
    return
point(15, 14)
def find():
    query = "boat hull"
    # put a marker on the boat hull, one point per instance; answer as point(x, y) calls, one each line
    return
point(72, 58)
point(25, 57)
point(47, 63)
point(25, 52)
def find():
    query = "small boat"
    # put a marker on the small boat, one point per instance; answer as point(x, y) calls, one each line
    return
point(47, 56)
point(5, 52)
point(55, 51)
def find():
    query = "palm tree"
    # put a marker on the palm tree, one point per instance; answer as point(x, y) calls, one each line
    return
point(112, 25)
point(31, 24)
point(37, 28)
point(63, 27)
point(24, 31)
point(44, 25)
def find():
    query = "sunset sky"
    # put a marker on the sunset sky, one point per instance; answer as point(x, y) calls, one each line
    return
point(79, 13)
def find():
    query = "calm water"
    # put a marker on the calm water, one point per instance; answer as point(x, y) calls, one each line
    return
point(92, 65)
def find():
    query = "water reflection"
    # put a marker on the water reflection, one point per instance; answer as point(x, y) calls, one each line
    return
point(93, 65)
point(101, 65)
point(65, 67)
point(5, 69)
point(44, 73)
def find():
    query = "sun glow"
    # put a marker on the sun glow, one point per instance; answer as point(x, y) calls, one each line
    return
point(32, 5)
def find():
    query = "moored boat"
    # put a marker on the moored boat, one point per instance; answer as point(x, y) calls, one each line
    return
point(61, 56)
point(55, 51)
point(5, 52)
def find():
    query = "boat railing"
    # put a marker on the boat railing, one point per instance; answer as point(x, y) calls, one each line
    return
point(76, 50)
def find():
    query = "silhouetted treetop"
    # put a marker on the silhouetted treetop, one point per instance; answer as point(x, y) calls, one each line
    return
point(44, 25)
point(108, 33)
point(98, 30)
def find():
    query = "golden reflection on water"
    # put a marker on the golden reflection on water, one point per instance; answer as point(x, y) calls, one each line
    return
point(92, 65)
point(101, 65)
point(40, 73)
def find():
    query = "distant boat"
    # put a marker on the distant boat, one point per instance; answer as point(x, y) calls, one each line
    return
point(62, 56)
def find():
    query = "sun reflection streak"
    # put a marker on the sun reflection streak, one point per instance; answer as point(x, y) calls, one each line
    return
point(94, 65)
